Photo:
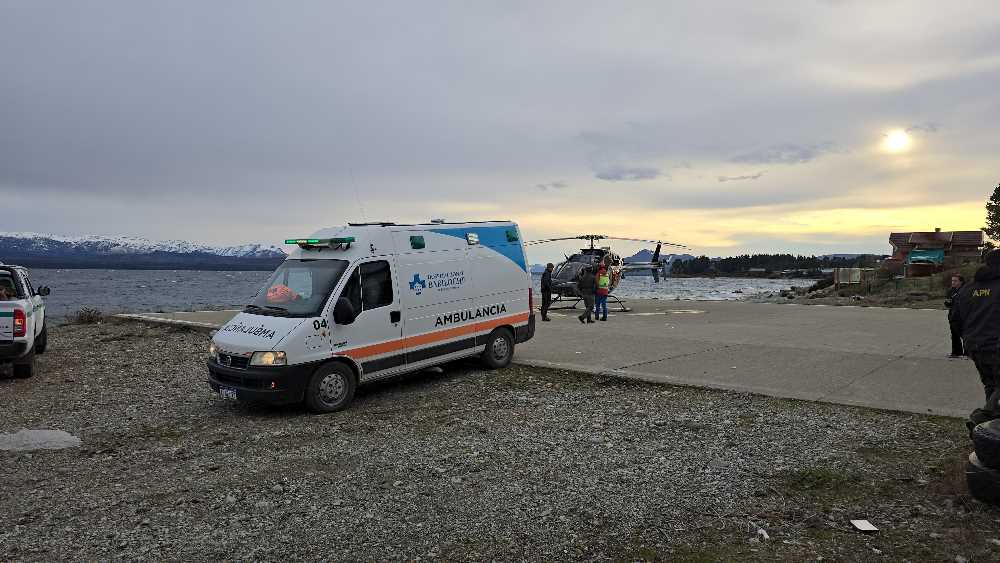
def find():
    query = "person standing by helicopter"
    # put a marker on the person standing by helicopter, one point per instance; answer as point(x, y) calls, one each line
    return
point(547, 290)
point(603, 283)
point(585, 286)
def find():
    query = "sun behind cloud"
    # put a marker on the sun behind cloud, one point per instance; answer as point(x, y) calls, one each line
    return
point(897, 141)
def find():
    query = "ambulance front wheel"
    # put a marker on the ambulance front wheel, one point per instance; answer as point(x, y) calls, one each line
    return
point(331, 388)
point(499, 349)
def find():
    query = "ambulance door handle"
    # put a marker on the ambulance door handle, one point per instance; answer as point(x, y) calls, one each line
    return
point(395, 316)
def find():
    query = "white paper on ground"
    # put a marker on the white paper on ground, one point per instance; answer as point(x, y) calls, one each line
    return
point(864, 526)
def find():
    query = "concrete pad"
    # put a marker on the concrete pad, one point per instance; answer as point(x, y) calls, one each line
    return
point(30, 440)
point(869, 356)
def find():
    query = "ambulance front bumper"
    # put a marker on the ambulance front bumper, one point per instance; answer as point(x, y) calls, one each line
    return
point(279, 385)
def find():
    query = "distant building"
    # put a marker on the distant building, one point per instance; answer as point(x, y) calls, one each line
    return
point(923, 253)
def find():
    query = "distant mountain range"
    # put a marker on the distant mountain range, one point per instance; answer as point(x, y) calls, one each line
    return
point(36, 250)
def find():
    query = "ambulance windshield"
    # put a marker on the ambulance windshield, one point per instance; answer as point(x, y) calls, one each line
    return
point(298, 288)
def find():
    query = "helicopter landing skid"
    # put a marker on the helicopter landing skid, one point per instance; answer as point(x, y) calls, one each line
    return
point(576, 301)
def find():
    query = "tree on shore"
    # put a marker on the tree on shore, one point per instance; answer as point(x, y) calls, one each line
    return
point(992, 228)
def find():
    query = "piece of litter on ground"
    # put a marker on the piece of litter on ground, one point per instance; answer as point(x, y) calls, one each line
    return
point(864, 526)
point(762, 534)
point(28, 440)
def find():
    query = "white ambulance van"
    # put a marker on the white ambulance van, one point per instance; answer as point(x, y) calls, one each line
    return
point(359, 303)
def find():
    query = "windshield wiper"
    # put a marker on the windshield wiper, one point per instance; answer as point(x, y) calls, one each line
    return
point(267, 311)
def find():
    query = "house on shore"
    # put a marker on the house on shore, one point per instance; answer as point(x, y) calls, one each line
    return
point(924, 253)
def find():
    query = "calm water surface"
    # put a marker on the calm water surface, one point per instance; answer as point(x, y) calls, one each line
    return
point(116, 291)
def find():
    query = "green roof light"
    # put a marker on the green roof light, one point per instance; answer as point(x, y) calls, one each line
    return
point(304, 242)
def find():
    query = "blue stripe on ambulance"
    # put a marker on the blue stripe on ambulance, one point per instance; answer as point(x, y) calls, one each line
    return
point(494, 238)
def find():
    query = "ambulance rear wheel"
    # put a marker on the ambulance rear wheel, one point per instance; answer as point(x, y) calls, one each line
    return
point(331, 388)
point(499, 349)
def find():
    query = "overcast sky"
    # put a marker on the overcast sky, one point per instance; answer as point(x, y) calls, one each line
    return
point(728, 126)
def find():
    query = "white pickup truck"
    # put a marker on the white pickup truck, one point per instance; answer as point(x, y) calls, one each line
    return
point(22, 321)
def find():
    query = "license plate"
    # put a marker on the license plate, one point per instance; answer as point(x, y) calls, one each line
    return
point(227, 393)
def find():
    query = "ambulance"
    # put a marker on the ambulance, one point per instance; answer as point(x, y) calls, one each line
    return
point(359, 303)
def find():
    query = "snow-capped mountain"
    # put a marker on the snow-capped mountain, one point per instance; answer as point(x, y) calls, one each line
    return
point(46, 250)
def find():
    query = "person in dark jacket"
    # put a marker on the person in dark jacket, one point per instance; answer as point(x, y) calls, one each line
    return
point(975, 314)
point(957, 350)
point(586, 286)
point(547, 291)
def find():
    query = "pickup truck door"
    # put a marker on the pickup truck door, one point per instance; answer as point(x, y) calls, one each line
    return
point(37, 305)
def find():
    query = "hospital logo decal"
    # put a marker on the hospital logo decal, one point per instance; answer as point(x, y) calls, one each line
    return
point(418, 285)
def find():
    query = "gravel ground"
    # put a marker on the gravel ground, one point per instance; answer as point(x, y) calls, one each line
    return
point(521, 463)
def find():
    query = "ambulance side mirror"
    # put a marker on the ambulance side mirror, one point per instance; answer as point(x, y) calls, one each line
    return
point(44, 291)
point(343, 312)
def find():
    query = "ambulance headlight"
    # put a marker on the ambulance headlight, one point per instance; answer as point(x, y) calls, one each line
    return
point(213, 351)
point(267, 359)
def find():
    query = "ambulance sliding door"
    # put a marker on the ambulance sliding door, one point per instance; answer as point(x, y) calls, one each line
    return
point(435, 295)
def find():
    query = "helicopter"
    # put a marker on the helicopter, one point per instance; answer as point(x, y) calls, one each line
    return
point(566, 274)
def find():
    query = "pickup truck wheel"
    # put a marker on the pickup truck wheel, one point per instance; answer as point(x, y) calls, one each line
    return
point(986, 439)
point(983, 482)
point(42, 342)
point(331, 388)
point(25, 368)
point(499, 349)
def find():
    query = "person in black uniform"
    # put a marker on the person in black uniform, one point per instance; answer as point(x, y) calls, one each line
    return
point(957, 350)
point(975, 314)
point(547, 291)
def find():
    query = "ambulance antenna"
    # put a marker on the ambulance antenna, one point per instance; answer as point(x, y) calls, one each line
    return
point(357, 198)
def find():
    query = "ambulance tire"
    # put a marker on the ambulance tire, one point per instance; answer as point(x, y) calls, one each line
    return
point(499, 349)
point(25, 368)
point(986, 438)
point(983, 482)
point(43, 340)
point(331, 388)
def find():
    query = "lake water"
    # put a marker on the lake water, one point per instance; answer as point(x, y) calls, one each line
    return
point(115, 291)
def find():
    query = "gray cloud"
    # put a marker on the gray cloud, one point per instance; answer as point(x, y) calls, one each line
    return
point(164, 111)
point(552, 185)
point(787, 153)
point(740, 178)
point(929, 127)
point(622, 173)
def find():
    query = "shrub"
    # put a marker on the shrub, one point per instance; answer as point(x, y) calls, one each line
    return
point(821, 284)
point(85, 316)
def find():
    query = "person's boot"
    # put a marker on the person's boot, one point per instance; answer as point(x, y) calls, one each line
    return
point(604, 318)
point(581, 319)
point(546, 319)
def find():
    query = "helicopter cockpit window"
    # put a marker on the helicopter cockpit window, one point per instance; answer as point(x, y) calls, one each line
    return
point(512, 236)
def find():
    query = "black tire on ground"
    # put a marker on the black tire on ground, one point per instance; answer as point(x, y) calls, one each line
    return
point(983, 482)
point(499, 349)
point(331, 388)
point(42, 342)
point(986, 439)
point(25, 368)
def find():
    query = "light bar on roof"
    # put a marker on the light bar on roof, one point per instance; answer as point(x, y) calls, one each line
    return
point(320, 242)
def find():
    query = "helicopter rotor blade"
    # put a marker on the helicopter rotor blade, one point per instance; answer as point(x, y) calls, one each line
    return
point(648, 241)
